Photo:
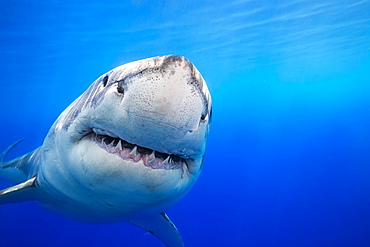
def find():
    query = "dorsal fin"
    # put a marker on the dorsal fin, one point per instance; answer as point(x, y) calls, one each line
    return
point(19, 193)
point(162, 227)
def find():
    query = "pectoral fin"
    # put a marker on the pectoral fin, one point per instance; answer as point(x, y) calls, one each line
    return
point(19, 193)
point(162, 227)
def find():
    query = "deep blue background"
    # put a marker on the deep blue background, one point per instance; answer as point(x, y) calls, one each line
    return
point(288, 160)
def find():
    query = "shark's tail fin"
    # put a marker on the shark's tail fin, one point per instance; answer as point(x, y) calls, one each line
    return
point(16, 170)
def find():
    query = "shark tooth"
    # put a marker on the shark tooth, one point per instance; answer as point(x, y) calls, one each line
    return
point(167, 160)
point(134, 151)
point(151, 157)
point(119, 145)
point(103, 143)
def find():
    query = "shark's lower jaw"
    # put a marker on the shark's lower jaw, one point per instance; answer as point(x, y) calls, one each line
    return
point(135, 153)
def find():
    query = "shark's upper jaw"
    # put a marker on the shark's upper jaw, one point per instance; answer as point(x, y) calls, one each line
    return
point(132, 152)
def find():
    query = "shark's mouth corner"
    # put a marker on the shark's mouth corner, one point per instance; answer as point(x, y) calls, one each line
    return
point(128, 151)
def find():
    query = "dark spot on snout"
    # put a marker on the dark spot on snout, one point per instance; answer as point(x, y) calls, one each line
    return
point(177, 61)
point(172, 59)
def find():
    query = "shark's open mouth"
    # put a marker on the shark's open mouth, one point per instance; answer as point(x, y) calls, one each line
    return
point(127, 151)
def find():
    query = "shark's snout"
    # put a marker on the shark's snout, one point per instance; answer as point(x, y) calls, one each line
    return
point(169, 94)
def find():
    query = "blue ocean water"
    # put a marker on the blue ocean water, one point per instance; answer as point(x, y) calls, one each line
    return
point(288, 159)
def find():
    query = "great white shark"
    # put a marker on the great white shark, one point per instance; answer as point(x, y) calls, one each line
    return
point(129, 148)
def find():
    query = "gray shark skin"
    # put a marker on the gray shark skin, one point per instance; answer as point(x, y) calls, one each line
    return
point(130, 147)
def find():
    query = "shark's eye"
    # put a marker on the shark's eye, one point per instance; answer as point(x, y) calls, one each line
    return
point(120, 89)
point(203, 117)
point(105, 80)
